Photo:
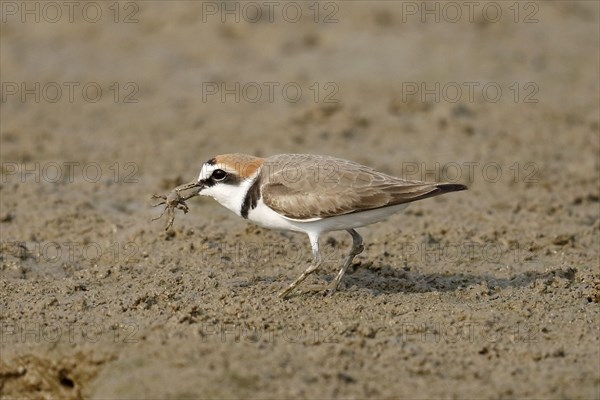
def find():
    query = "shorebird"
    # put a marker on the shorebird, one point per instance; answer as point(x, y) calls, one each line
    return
point(308, 193)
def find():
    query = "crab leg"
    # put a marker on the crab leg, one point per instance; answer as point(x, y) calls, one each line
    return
point(175, 200)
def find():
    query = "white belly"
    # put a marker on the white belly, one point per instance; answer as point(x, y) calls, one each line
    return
point(264, 216)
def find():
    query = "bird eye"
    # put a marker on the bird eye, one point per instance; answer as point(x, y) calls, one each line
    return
point(218, 174)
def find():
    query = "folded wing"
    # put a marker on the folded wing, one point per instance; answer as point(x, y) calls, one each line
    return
point(312, 187)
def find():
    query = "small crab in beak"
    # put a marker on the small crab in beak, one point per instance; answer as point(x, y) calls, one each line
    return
point(174, 200)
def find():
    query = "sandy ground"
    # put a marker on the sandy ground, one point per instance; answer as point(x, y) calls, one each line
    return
point(489, 293)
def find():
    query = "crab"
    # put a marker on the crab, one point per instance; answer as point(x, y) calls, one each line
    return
point(174, 200)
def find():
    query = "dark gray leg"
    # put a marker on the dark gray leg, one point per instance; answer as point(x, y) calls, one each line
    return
point(357, 248)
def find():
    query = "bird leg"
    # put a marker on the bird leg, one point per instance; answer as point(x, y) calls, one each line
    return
point(357, 248)
point(316, 263)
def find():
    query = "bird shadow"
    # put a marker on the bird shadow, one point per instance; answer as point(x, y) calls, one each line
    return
point(386, 279)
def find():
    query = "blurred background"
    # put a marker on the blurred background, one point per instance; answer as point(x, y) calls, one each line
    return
point(170, 84)
point(106, 103)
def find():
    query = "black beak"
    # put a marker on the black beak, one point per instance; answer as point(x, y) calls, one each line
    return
point(197, 186)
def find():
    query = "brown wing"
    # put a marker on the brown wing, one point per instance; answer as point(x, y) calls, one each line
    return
point(309, 186)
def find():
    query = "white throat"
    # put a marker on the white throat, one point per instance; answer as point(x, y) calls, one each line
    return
point(230, 196)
